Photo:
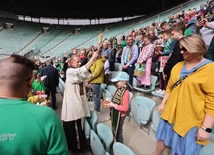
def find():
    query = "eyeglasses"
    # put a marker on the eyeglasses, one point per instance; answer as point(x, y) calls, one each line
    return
point(183, 49)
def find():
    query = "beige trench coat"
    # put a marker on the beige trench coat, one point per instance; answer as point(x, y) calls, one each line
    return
point(75, 106)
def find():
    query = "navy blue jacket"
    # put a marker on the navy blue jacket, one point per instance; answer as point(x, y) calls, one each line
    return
point(52, 74)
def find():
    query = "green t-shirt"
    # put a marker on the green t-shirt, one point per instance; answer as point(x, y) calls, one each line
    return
point(124, 43)
point(38, 86)
point(61, 64)
point(29, 129)
point(187, 32)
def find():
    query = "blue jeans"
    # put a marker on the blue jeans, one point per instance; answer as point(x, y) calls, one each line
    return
point(96, 91)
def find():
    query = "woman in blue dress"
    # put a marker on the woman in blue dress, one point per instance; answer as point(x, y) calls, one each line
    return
point(187, 109)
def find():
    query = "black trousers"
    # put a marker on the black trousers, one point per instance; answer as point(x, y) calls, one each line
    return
point(71, 136)
point(119, 137)
point(111, 65)
point(52, 91)
point(130, 71)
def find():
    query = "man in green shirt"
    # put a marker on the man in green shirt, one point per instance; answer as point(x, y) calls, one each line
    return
point(25, 128)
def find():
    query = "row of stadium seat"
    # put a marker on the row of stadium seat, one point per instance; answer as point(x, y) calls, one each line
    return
point(25, 37)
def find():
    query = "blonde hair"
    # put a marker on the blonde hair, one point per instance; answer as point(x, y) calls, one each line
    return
point(194, 44)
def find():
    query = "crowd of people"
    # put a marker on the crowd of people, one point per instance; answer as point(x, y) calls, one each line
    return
point(179, 51)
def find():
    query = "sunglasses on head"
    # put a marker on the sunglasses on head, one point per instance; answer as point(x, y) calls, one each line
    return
point(183, 49)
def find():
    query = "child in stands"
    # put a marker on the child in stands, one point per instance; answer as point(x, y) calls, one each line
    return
point(158, 50)
point(106, 69)
point(168, 43)
point(175, 56)
point(163, 51)
point(38, 85)
point(145, 57)
point(119, 105)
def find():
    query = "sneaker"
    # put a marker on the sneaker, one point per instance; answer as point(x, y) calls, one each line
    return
point(158, 91)
point(146, 87)
point(139, 85)
point(162, 92)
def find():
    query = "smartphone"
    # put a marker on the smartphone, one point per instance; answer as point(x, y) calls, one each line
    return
point(198, 17)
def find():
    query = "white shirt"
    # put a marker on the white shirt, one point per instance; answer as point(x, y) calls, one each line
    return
point(106, 67)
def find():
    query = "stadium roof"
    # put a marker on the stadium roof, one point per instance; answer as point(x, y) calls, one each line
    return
point(90, 9)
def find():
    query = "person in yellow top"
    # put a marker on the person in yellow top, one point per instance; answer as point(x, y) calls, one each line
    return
point(187, 109)
point(41, 99)
point(97, 70)
point(33, 98)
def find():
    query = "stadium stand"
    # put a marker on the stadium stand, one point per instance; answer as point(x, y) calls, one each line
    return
point(59, 41)
point(25, 36)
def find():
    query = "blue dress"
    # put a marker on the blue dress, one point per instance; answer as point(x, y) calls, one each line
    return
point(180, 145)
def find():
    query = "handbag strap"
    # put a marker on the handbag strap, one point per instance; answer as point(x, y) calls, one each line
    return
point(185, 76)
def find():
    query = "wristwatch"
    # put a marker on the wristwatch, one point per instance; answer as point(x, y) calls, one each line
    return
point(206, 129)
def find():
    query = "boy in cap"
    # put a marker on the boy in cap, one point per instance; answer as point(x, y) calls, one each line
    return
point(119, 105)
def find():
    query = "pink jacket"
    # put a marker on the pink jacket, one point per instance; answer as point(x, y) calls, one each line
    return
point(124, 106)
point(146, 53)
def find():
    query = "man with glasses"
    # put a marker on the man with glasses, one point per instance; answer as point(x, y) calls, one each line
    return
point(129, 58)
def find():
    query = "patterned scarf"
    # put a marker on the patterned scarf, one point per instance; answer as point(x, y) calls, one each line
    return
point(129, 55)
point(115, 114)
point(118, 96)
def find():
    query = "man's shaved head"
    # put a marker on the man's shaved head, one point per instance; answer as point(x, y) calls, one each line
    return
point(15, 70)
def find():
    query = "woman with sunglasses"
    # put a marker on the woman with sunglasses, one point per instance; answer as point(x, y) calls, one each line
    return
point(187, 109)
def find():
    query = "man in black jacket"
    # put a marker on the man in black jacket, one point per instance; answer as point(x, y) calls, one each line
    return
point(51, 81)
point(175, 56)
point(210, 52)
